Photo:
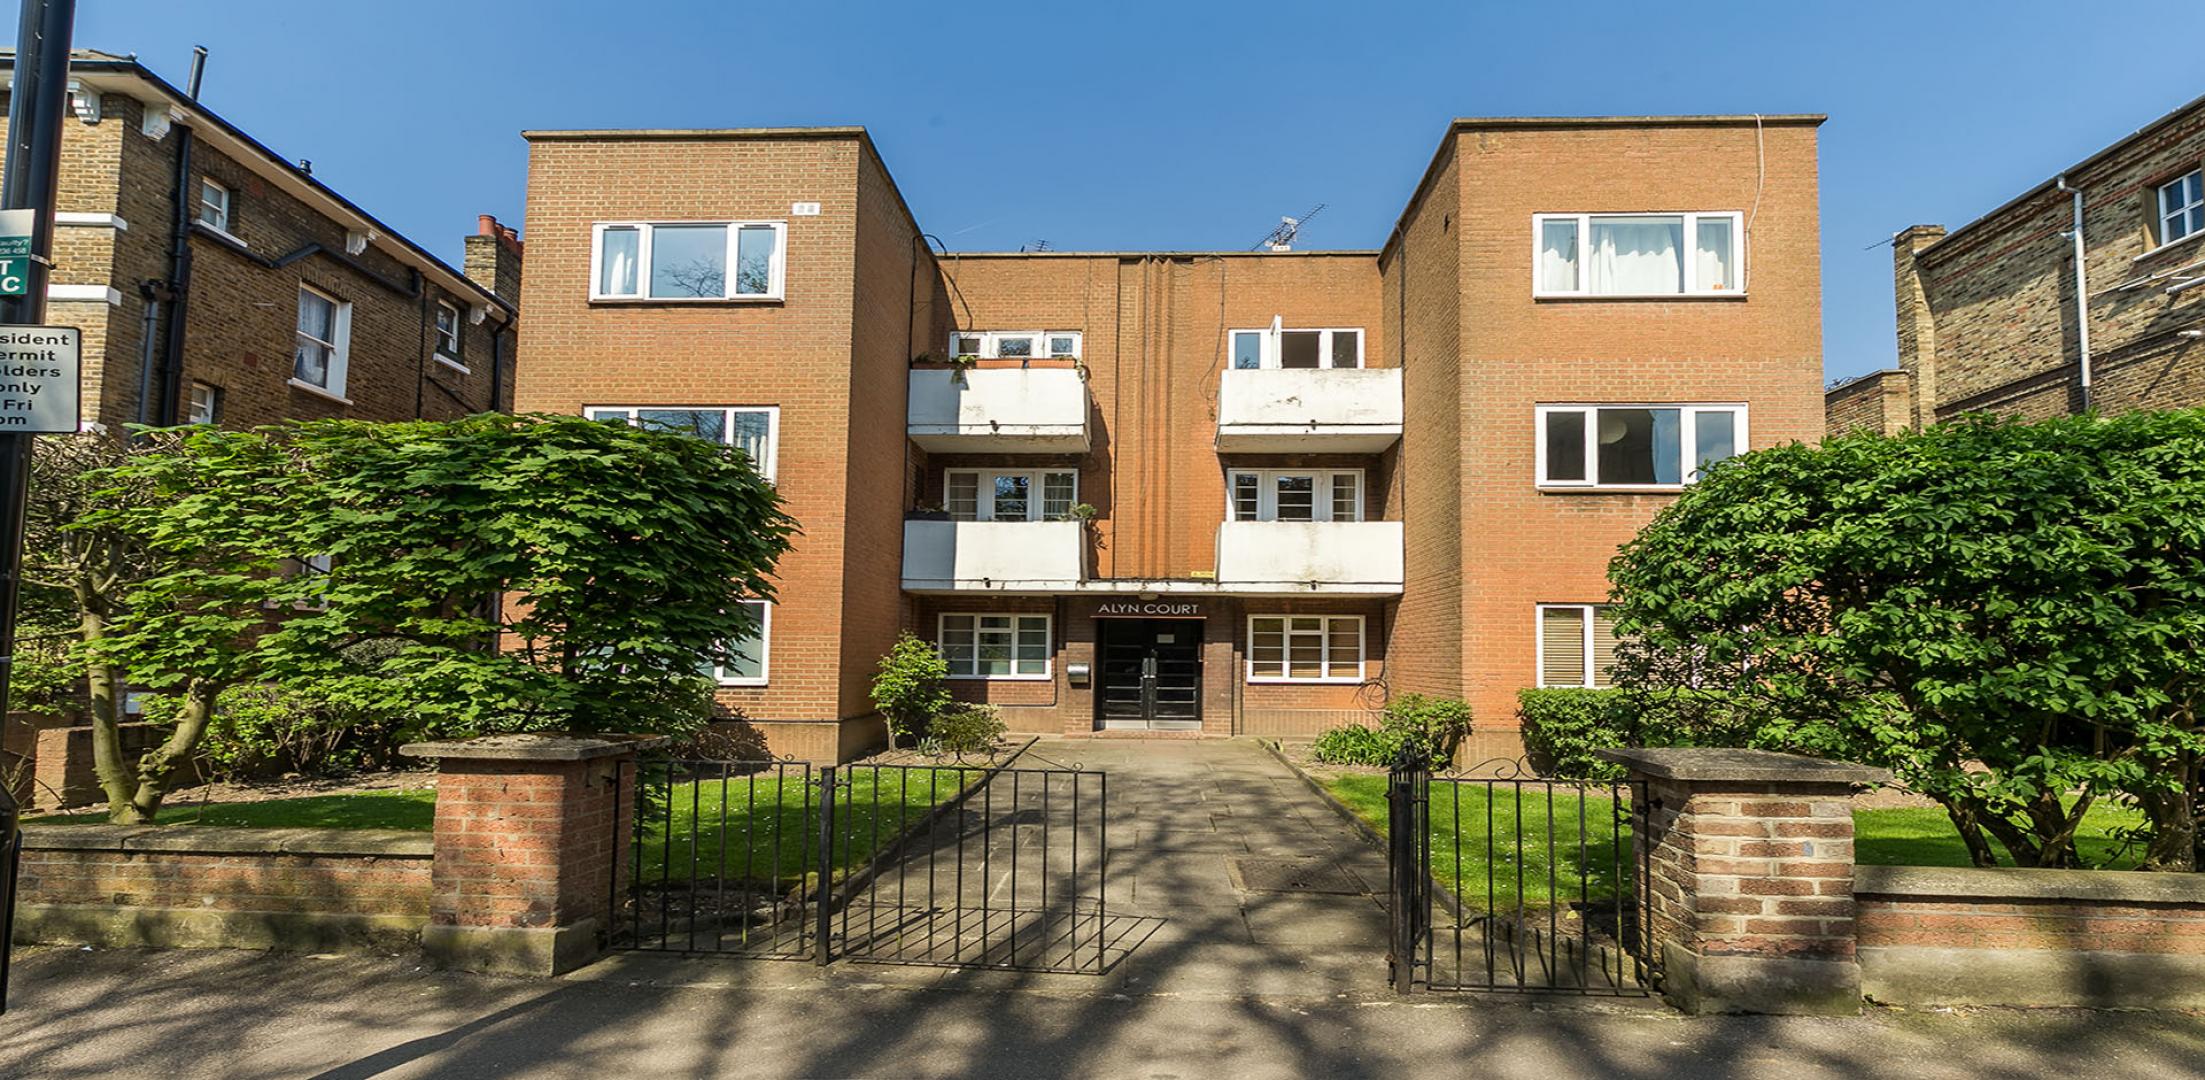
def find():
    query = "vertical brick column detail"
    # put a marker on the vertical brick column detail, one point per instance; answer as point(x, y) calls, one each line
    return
point(530, 847)
point(1751, 862)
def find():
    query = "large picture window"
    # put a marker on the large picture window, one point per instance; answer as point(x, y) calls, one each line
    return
point(688, 260)
point(1336, 347)
point(1296, 495)
point(1576, 645)
point(1305, 648)
point(1688, 254)
point(1634, 445)
point(755, 430)
point(1010, 495)
point(746, 664)
point(995, 646)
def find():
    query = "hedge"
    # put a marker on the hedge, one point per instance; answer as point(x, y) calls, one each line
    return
point(1563, 727)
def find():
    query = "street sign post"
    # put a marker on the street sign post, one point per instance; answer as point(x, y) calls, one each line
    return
point(16, 227)
point(38, 379)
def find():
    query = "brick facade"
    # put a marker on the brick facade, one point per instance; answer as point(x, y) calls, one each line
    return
point(1987, 316)
point(113, 259)
point(1448, 302)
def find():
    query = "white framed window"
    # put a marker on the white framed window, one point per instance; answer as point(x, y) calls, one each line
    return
point(205, 406)
point(995, 646)
point(746, 665)
point(1576, 645)
point(1016, 344)
point(448, 332)
point(324, 332)
point(688, 260)
point(1282, 347)
point(214, 205)
point(753, 429)
point(2181, 206)
point(1672, 254)
point(1305, 648)
point(1294, 495)
point(1634, 446)
point(1010, 494)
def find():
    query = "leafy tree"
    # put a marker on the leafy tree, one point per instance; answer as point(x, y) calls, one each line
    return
point(911, 688)
point(2005, 614)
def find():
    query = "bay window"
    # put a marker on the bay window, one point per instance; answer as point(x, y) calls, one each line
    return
point(1296, 495)
point(1305, 648)
point(755, 430)
point(1688, 254)
point(1634, 445)
point(1576, 645)
point(688, 260)
point(1010, 495)
point(995, 646)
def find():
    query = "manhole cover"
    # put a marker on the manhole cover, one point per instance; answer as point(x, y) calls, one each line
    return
point(1293, 875)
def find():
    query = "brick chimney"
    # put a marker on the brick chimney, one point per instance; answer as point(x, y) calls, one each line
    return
point(1917, 325)
point(494, 258)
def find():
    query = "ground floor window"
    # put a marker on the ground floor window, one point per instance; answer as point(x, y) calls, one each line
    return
point(1305, 648)
point(995, 646)
point(747, 664)
point(1576, 645)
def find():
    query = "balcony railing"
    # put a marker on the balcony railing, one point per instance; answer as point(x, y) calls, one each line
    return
point(1310, 556)
point(999, 410)
point(1000, 556)
point(1309, 410)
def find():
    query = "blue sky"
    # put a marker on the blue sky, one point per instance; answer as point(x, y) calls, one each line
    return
point(1180, 125)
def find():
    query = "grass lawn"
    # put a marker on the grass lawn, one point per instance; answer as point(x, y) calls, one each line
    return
point(1890, 837)
point(395, 808)
point(758, 829)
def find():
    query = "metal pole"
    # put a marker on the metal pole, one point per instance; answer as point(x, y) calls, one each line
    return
point(36, 107)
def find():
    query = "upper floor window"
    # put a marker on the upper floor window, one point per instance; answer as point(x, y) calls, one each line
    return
point(1297, 495)
point(688, 260)
point(1636, 254)
point(447, 330)
point(1016, 344)
point(1634, 445)
point(214, 205)
point(1340, 347)
point(324, 329)
point(206, 404)
point(1576, 645)
point(755, 430)
point(1010, 495)
point(2182, 207)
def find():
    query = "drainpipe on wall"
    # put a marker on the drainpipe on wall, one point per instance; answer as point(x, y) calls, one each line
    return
point(179, 264)
point(2082, 291)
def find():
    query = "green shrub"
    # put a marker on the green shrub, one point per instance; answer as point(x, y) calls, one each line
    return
point(1564, 727)
point(1427, 727)
point(968, 729)
point(258, 727)
point(911, 689)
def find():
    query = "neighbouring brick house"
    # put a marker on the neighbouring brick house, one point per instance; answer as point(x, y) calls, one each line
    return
point(1191, 493)
point(1987, 317)
point(266, 295)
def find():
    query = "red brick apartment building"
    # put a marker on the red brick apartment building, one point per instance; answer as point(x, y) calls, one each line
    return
point(1988, 320)
point(217, 281)
point(1191, 492)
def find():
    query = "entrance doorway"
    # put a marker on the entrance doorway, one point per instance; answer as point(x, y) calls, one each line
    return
point(1151, 677)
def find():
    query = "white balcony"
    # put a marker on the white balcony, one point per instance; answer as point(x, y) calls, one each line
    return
point(999, 410)
point(1308, 410)
point(1298, 557)
point(993, 556)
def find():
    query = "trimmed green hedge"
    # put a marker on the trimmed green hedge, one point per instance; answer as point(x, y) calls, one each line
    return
point(1428, 727)
point(1564, 726)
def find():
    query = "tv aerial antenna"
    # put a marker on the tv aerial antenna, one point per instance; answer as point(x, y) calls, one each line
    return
point(1282, 238)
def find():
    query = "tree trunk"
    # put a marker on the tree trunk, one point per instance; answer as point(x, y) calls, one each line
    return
point(1965, 819)
point(2173, 815)
point(115, 776)
point(159, 763)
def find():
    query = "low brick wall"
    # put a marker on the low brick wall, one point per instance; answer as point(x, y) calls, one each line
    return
point(1935, 935)
point(202, 887)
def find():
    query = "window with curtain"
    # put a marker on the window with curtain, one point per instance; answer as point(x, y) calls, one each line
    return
point(1636, 254)
point(1305, 648)
point(994, 646)
point(318, 359)
point(1010, 495)
point(688, 260)
point(752, 429)
point(1295, 495)
point(1634, 445)
point(1576, 645)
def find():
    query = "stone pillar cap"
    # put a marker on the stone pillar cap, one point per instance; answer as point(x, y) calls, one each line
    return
point(546, 746)
point(1742, 766)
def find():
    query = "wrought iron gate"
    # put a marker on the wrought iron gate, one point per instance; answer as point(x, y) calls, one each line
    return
point(1506, 882)
point(942, 865)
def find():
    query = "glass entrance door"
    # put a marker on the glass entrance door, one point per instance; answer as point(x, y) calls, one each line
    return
point(1151, 675)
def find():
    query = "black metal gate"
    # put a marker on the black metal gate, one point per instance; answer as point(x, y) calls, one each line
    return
point(1505, 882)
point(949, 865)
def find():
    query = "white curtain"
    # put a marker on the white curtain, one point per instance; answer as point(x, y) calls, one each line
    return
point(1711, 270)
point(1640, 255)
point(1558, 257)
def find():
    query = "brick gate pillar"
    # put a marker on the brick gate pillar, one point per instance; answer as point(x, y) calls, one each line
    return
point(1751, 859)
point(531, 834)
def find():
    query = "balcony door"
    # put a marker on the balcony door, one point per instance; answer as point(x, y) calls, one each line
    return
point(1151, 678)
